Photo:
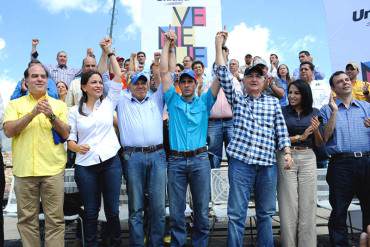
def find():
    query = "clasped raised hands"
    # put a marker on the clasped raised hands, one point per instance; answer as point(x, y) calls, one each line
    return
point(105, 44)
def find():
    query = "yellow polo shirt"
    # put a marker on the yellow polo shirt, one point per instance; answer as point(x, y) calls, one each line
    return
point(357, 90)
point(33, 150)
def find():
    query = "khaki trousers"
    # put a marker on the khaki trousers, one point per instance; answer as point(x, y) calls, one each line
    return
point(297, 200)
point(28, 191)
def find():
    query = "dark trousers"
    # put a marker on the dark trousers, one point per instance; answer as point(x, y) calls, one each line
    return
point(93, 181)
point(347, 177)
point(2, 187)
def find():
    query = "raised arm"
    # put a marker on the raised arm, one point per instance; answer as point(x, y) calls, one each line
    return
point(132, 64)
point(102, 65)
point(220, 68)
point(330, 126)
point(34, 53)
point(168, 53)
point(155, 69)
point(106, 45)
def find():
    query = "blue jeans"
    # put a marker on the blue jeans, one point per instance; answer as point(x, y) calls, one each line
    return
point(196, 172)
point(92, 181)
point(219, 132)
point(347, 177)
point(146, 174)
point(243, 178)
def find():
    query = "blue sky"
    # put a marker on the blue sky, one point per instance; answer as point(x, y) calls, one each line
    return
point(258, 27)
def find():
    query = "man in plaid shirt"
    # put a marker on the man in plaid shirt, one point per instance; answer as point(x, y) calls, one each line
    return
point(259, 130)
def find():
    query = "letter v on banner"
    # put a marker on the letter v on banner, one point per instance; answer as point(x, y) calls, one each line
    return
point(195, 23)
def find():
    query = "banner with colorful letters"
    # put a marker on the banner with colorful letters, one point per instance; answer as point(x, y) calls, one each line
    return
point(194, 21)
point(348, 28)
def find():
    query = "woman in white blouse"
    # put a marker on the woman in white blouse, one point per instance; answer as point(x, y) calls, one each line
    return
point(98, 169)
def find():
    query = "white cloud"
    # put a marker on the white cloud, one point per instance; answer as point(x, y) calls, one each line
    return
point(2, 43)
point(254, 40)
point(303, 43)
point(7, 86)
point(134, 10)
point(56, 6)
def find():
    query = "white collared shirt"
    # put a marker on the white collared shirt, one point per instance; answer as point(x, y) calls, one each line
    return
point(140, 123)
point(96, 129)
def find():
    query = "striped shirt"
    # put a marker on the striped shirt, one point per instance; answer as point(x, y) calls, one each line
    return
point(62, 73)
point(350, 133)
point(259, 126)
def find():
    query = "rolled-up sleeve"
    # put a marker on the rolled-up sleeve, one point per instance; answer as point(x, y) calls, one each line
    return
point(282, 134)
point(226, 80)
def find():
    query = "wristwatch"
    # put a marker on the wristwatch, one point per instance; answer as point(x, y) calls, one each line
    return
point(52, 117)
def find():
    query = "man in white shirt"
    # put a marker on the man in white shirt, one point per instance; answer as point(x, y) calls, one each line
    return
point(144, 161)
point(74, 93)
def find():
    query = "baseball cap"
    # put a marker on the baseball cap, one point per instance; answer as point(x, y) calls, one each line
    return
point(255, 68)
point(187, 72)
point(120, 59)
point(137, 76)
point(353, 64)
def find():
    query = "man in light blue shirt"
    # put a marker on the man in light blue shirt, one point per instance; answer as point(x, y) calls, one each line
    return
point(188, 161)
point(347, 137)
point(144, 162)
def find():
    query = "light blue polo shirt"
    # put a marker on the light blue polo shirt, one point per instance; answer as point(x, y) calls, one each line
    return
point(188, 121)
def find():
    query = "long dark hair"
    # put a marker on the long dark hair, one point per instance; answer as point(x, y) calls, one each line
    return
point(84, 79)
point(306, 95)
point(288, 79)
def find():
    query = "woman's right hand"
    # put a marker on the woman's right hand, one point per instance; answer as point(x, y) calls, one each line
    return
point(83, 148)
point(306, 133)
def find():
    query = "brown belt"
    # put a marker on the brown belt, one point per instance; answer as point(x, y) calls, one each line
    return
point(299, 148)
point(149, 149)
point(188, 154)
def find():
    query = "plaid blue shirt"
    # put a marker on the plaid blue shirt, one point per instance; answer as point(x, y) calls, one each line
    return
point(259, 126)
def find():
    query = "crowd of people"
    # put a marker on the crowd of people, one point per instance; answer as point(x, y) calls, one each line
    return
point(162, 127)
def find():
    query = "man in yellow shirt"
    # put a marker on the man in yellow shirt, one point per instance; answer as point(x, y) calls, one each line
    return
point(38, 158)
point(360, 89)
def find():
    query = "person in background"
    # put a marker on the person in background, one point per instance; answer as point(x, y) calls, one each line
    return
point(283, 79)
point(187, 62)
point(62, 90)
point(305, 56)
point(360, 89)
point(274, 64)
point(61, 71)
point(297, 185)
point(98, 169)
point(248, 59)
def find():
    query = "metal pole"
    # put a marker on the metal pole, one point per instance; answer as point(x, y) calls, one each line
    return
point(112, 19)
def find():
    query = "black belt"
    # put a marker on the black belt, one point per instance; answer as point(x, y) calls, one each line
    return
point(149, 149)
point(220, 119)
point(188, 154)
point(350, 155)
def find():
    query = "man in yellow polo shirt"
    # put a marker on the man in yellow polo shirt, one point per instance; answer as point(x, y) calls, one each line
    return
point(38, 158)
point(360, 89)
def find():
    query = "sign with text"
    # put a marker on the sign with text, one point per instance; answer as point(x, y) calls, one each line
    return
point(195, 23)
point(348, 27)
